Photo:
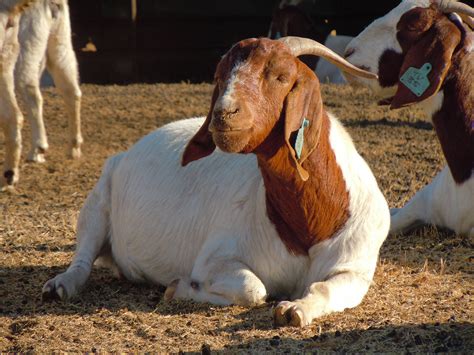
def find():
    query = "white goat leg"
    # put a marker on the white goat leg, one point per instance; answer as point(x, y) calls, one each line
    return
point(92, 236)
point(33, 41)
point(338, 292)
point(415, 213)
point(62, 65)
point(220, 278)
point(12, 121)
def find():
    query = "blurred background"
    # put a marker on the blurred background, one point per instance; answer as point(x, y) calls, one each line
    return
point(127, 41)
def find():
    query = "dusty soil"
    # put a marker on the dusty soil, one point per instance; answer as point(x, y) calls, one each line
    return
point(421, 298)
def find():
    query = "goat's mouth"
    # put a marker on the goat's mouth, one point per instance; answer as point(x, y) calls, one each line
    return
point(231, 141)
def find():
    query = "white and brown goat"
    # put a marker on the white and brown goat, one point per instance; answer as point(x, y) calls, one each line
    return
point(35, 34)
point(301, 218)
point(429, 34)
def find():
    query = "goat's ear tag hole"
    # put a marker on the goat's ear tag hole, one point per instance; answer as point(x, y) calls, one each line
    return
point(300, 138)
point(416, 80)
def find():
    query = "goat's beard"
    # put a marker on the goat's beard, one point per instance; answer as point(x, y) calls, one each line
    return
point(232, 141)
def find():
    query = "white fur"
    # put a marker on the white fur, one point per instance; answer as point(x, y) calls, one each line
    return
point(327, 72)
point(207, 223)
point(44, 38)
point(443, 202)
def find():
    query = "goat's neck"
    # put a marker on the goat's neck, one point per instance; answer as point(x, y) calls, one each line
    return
point(454, 120)
point(305, 212)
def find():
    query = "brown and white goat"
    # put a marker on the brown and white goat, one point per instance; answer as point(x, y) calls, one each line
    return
point(302, 218)
point(433, 39)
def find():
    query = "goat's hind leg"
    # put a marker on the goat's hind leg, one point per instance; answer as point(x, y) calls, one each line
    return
point(62, 65)
point(92, 237)
point(12, 122)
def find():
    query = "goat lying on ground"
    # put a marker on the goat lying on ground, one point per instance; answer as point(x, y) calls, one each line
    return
point(43, 35)
point(300, 218)
point(290, 20)
point(430, 38)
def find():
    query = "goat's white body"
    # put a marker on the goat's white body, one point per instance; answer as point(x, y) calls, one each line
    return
point(208, 222)
point(441, 203)
point(327, 72)
point(44, 39)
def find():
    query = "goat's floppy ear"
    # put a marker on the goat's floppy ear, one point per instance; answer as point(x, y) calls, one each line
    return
point(426, 64)
point(301, 104)
point(201, 145)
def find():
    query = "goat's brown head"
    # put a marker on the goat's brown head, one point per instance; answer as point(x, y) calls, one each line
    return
point(262, 93)
point(415, 33)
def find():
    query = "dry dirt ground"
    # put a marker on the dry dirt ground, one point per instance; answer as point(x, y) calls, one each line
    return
point(420, 300)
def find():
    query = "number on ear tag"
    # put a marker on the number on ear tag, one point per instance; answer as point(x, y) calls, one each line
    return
point(300, 138)
point(417, 79)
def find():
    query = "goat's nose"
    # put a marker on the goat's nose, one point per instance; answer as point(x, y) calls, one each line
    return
point(348, 52)
point(226, 112)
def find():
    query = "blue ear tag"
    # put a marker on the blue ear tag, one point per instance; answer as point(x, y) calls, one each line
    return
point(278, 35)
point(300, 138)
point(417, 79)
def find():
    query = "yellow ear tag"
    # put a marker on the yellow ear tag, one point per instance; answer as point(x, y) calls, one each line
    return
point(416, 80)
point(300, 138)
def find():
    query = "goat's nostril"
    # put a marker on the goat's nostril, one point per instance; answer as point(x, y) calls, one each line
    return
point(348, 52)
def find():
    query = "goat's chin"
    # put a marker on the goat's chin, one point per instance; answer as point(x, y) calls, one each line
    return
point(231, 142)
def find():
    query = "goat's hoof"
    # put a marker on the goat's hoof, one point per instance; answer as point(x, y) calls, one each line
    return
point(53, 290)
point(8, 189)
point(35, 157)
point(171, 290)
point(289, 314)
point(75, 153)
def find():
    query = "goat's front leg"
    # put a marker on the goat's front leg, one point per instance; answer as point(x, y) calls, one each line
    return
point(339, 291)
point(220, 278)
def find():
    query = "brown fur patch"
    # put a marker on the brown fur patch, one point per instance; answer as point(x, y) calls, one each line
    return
point(306, 213)
point(454, 122)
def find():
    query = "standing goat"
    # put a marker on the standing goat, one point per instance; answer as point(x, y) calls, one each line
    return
point(290, 20)
point(431, 39)
point(300, 218)
point(41, 34)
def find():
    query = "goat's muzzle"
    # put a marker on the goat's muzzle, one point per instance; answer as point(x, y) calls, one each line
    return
point(230, 129)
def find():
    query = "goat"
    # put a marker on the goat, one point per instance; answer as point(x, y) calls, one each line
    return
point(290, 20)
point(431, 39)
point(301, 218)
point(43, 35)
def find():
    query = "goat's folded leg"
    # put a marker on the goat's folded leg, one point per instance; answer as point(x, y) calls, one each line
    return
point(414, 214)
point(231, 283)
point(219, 277)
point(338, 292)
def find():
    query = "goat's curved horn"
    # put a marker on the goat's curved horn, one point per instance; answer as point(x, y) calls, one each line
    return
point(463, 10)
point(301, 46)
